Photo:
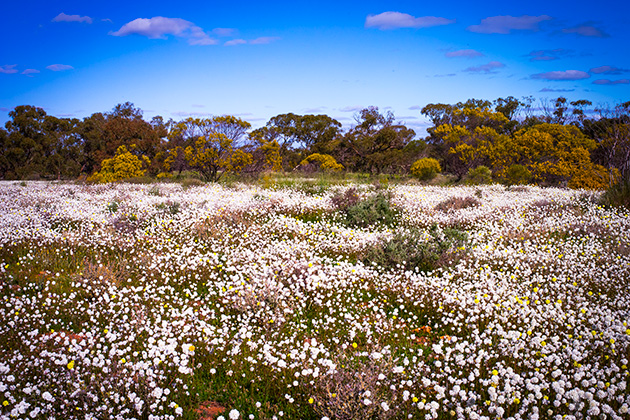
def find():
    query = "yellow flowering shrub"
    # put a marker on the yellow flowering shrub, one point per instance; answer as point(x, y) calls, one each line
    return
point(425, 168)
point(326, 162)
point(124, 165)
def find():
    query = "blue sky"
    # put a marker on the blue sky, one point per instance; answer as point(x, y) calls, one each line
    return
point(260, 59)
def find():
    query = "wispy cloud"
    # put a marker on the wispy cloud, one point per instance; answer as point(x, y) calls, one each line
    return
point(549, 55)
point(29, 72)
point(224, 31)
point(62, 17)
point(395, 20)
point(489, 68)
point(463, 53)
point(608, 70)
point(3, 109)
point(506, 24)
point(415, 108)
point(586, 29)
point(233, 42)
point(159, 27)
point(190, 114)
point(611, 82)
point(555, 90)
point(8, 69)
point(257, 41)
point(264, 40)
point(59, 67)
point(562, 75)
point(351, 108)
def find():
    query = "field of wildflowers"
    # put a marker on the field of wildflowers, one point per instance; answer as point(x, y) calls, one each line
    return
point(161, 302)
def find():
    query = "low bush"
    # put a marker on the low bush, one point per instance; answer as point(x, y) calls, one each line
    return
point(408, 250)
point(478, 176)
point(370, 211)
point(457, 203)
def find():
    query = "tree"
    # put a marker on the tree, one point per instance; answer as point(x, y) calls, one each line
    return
point(554, 154)
point(212, 152)
point(376, 143)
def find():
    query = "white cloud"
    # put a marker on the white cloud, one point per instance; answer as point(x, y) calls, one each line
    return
point(464, 53)
point(562, 75)
point(351, 108)
point(556, 90)
point(224, 31)
point(486, 68)
point(8, 69)
point(506, 24)
point(30, 71)
point(159, 27)
point(264, 40)
point(233, 42)
point(395, 20)
point(59, 67)
point(62, 17)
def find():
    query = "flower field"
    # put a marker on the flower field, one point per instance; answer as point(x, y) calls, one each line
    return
point(347, 302)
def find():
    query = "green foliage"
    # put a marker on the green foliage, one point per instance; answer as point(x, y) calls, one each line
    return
point(517, 175)
point(408, 250)
point(214, 154)
point(426, 169)
point(479, 176)
point(376, 144)
point(617, 195)
point(372, 210)
point(124, 165)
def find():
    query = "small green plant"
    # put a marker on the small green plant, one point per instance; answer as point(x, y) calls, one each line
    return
point(370, 211)
point(426, 169)
point(112, 207)
point(169, 207)
point(478, 176)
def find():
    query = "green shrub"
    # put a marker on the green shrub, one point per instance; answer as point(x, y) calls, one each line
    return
point(372, 210)
point(618, 194)
point(406, 250)
point(425, 169)
point(517, 175)
point(478, 176)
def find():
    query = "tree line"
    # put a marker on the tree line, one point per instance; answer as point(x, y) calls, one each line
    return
point(517, 141)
